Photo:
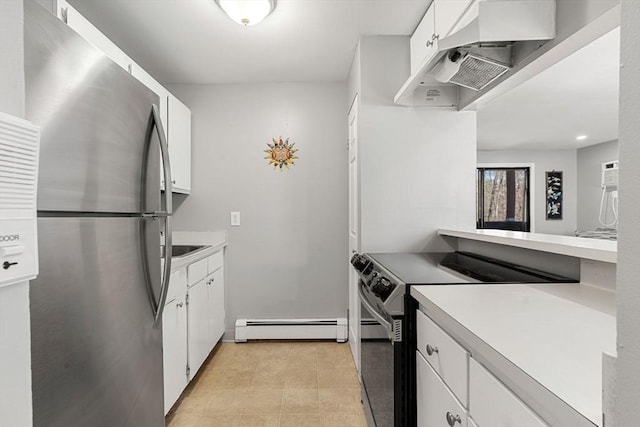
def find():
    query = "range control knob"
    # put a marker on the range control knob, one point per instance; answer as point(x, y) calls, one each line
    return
point(361, 264)
point(382, 288)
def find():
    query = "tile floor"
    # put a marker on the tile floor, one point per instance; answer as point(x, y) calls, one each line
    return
point(275, 384)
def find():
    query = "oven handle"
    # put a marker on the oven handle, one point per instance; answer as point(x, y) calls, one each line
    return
point(384, 322)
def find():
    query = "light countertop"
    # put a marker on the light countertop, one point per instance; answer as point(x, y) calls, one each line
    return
point(580, 247)
point(215, 239)
point(545, 341)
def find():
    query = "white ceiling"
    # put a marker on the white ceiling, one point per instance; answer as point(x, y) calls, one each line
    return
point(193, 41)
point(577, 96)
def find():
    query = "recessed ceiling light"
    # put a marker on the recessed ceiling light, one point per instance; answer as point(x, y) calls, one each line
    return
point(581, 137)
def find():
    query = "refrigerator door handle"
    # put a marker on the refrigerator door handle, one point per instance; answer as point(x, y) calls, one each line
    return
point(158, 307)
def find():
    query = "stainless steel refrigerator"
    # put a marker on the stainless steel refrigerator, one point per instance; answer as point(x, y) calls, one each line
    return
point(96, 335)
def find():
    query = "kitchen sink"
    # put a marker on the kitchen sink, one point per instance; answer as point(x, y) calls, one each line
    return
point(178, 251)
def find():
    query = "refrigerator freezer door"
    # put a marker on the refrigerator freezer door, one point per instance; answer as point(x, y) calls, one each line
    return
point(96, 355)
point(93, 117)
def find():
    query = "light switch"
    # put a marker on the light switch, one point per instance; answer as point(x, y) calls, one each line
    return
point(235, 219)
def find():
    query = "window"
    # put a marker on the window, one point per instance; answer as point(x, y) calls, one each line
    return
point(503, 198)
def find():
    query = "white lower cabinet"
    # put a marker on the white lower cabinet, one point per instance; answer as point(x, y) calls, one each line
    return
point(192, 322)
point(216, 306)
point(493, 405)
point(174, 340)
point(436, 404)
point(206, 309)
point(454, 390)
point(198, 326)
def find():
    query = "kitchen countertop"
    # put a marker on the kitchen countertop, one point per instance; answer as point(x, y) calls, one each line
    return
point(580, 247)
point(545, 342)
point(216, 239)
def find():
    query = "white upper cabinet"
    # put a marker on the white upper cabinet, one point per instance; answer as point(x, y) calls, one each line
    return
point(179, 140)
point(146, 79)
point(447, 13)
point(175, 116)
point(421, 44)
point(440, 19)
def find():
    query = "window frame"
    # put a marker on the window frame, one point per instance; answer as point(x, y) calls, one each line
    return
point(531, 194)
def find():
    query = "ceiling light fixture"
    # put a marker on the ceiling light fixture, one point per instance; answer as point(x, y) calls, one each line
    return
point(247, 12)
point(581, 137)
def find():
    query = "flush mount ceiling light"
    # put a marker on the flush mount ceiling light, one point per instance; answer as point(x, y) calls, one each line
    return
point(247, 12)
point(581, 137)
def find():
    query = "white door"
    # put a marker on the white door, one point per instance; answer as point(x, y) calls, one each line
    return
point(354, 232)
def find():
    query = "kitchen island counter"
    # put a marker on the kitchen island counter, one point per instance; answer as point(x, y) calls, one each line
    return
point(544, 342)
point(580, 247)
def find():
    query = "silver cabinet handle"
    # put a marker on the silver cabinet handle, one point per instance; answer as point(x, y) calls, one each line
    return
point(429, 43)
point(431, 350)
point(452, 419)
point(180, 304)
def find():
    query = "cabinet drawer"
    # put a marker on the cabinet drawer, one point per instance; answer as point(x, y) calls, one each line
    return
point(493, 405)
point(197, 271)
point(448, 358)
point(215, 261)
point(435, 402)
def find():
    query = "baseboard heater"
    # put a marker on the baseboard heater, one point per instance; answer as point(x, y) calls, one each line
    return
point(291, 329)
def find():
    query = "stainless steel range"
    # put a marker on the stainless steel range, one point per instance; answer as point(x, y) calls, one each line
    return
point(387, 327)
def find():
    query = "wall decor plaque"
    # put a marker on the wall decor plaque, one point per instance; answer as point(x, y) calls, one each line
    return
point(281, 154)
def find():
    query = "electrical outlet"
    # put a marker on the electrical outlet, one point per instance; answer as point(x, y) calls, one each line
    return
point(235, 219)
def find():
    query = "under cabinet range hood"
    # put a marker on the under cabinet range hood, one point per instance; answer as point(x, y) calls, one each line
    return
point(478, 50)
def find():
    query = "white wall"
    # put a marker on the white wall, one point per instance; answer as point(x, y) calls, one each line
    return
point(15, 329)
point(11, 58)
point(288, 257)
point(628, 283)
point(560, 160)
point(590, 161)
point(417, 164)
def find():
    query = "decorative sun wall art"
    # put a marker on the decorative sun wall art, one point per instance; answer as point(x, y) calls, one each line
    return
point(554, 194)
point(281, 153)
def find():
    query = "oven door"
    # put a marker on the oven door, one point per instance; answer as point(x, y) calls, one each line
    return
point(381, 364)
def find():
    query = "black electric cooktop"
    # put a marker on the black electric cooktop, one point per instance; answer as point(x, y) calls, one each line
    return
point(458, 267)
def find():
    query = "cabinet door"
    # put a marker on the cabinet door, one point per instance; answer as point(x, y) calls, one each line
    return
point(216, 306)
point(421, 44)
point(492, 404)
point(198, 318)
point(447, 13)
point(435, 402)
point(174, 347)
point(179, 140)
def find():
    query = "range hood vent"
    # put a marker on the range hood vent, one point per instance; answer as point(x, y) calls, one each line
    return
point(487, 27)
point(472, 68)
point(476, 72)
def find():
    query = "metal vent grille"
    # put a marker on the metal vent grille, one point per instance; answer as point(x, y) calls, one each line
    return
point(397, 330)
point(19, 142)
point(476, 72)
